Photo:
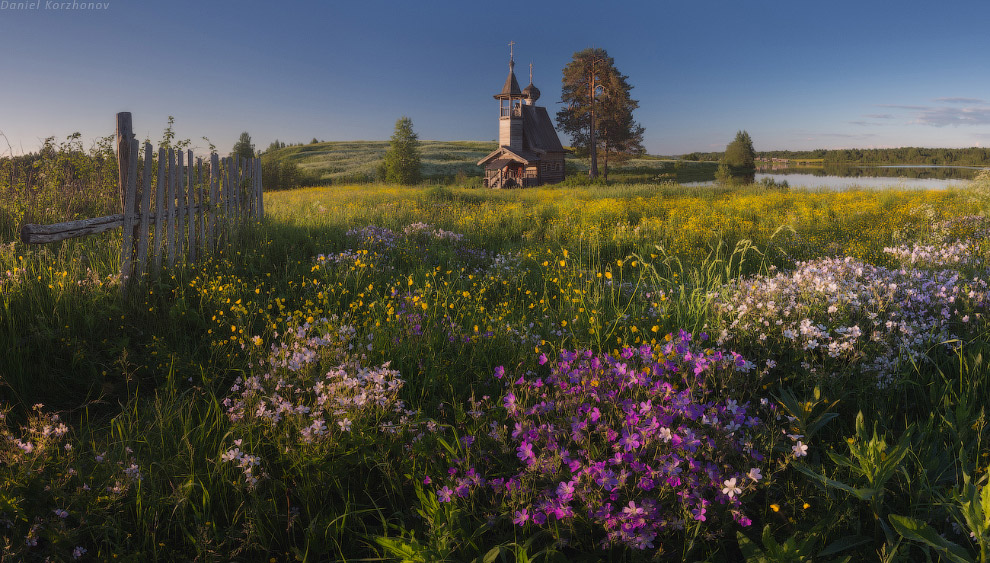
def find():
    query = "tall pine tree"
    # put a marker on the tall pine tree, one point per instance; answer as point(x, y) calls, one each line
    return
point(598, 109)
point(401, 164)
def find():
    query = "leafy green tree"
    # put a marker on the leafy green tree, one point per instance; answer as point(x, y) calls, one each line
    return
point(598, 109)
point(243, 148)
point(739, 154)
point(739, 159)
point(401, 163)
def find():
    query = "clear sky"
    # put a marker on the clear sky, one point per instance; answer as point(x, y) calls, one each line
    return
point(795, 75)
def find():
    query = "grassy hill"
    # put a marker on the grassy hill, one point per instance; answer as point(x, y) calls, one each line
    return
point(357, 161)
point(339, 162)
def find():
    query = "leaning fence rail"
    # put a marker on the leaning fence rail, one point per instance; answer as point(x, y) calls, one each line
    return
point(186, 210)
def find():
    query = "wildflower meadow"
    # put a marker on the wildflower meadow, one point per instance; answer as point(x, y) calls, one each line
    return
point(643, 372)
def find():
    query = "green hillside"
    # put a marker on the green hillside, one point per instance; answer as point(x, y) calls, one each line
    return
point(339, 162)
point(357, 161)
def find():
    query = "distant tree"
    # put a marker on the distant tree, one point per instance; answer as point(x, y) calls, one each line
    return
point(401, 163)
point(314, 141)
point(739, 154)
point(276, 145)
point(243, 147)
point(598, 109)
point(739, 160)
point(279, 174)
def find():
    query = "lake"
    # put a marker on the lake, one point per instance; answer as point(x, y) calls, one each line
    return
point(868, 177)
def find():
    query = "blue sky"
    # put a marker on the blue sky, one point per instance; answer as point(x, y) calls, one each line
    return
point(796, 75)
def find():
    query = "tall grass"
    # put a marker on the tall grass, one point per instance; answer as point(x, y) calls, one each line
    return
point(496, 279)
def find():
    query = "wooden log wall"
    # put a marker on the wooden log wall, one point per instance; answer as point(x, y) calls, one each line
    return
point(175, 209)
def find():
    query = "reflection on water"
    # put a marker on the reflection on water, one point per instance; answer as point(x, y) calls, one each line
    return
point(887, 171)
point(843, 177)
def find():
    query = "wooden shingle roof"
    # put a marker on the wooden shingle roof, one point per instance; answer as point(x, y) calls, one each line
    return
point(523, 156)
point(511, 88)
point(538, 131)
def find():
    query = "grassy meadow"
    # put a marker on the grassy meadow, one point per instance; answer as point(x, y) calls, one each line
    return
point(631, 372)
point(443, 162)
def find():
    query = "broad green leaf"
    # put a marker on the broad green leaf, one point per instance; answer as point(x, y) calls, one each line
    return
point(861, 494)
point(768, 542)
point(398, 548)
point(918, 531)
point(822, 421)
point(843, 544)
point(844, 461)
point(750, 551)
point(492, 554)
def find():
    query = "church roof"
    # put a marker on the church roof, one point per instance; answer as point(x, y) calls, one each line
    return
point(511, 88)
point(538, 131)
point(507, 154)
point(531, 92)
point(498, 163)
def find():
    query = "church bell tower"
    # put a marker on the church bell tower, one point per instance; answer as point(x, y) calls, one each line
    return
point(510, 100)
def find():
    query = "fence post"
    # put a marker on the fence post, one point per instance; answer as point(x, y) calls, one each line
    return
point(143, 229)
point(170, 218)
point(211, 232)
point(201, 212)
point(180, 210)
point(261, 192)
point(130, 211)
point(190, 203)
point(160, 218)
point(124, 133)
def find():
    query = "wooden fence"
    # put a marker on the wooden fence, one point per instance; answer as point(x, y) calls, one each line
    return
point(178, 208)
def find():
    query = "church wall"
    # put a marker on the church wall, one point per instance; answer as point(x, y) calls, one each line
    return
point(510, 132)
point(552, 169)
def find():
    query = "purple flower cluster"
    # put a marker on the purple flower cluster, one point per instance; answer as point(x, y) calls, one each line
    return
point(635, 445)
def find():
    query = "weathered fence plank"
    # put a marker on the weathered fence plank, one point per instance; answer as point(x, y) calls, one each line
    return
point(261, 192)
point(44, 234)
point(124, 134)
point(160, 190)
point(130, 214)
point(190, 202)
point(180, 205)
point(145, 212)
point(214, 198)
point(201, 216)
point(170, 219)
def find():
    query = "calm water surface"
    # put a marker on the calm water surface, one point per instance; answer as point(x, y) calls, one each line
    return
point(870, 177)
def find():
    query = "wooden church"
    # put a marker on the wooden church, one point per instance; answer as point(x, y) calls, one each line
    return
point(529, 152)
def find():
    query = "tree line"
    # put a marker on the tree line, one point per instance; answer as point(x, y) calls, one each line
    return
point(974, 156)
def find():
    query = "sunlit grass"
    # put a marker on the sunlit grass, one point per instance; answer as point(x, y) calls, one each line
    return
point(439, 287)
